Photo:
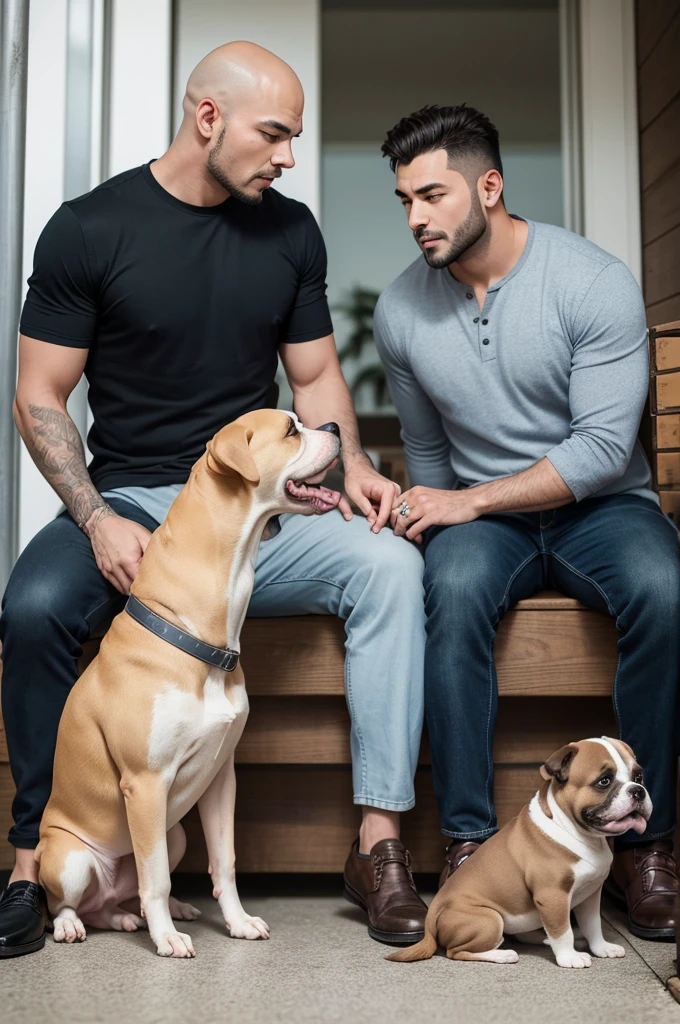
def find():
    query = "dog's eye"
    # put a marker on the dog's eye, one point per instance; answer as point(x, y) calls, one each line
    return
point(639, 778)
point(604, 782)
point(292, 429)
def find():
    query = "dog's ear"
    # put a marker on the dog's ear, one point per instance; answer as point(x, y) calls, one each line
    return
point(228, 453)
point(558, 764)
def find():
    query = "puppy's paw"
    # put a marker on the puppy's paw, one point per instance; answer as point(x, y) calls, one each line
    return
point(607, 949)
point(182, 911)
point(175, 944)
point(69, 929)
point(573, 958)
point(248, 928)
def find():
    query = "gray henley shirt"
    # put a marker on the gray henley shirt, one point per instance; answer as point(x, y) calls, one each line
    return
point(555, 364)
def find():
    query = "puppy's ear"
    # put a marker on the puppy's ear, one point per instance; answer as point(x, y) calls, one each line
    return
point(558, 764)
point(228, 453)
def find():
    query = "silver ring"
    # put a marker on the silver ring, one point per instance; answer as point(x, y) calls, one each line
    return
point(404, 510)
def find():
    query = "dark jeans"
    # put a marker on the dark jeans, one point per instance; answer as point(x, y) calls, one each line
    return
point(55, 599)
point(618, 554)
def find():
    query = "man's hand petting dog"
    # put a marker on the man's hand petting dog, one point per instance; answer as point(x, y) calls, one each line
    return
point(373, 494)
point(426, 506)
point(118, 546)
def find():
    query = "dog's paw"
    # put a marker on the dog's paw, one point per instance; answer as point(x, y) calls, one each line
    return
point(69, 929)
point(573, 959)
point(607, 949)
point(248, 928)
point(183, 911)
point(175, 944)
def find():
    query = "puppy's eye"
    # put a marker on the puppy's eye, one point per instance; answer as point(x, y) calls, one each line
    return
point(639, 778)
point(292, 429)
point(604, 782)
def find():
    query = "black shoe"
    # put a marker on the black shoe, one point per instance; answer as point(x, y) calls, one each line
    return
point(23, 917)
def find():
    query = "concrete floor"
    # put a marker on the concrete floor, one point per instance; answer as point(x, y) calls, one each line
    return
point(320, 966)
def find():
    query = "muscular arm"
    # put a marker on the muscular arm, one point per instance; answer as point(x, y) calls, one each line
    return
point(47, 376)
point(320, 392)
point(321, 395)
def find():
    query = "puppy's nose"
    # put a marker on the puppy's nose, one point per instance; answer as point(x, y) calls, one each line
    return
point(638, 793)
point(332, 428)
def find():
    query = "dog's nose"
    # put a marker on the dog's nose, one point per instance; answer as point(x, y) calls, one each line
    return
point(332, 428)
point(638, 793)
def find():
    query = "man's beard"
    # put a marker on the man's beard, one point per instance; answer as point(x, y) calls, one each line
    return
point(467, 235)
point(223, 178)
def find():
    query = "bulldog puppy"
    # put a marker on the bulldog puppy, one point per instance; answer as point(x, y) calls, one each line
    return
point(151, 726)
point(551, 859)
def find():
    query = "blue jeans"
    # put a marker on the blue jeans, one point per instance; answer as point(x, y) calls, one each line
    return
point(618, 554)
point(56, 598)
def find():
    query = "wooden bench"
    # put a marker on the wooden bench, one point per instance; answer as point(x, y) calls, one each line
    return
point(294, 810)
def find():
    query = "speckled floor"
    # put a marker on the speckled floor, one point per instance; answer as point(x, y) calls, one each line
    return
point(320, 966)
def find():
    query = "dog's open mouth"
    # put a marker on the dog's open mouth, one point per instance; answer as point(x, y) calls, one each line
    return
point(308, 492)
point(634, 820)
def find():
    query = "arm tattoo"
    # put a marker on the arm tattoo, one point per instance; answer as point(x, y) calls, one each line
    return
point(57, 450)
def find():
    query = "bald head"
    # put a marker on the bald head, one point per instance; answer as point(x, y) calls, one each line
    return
point(235, 73)
point(242, 109)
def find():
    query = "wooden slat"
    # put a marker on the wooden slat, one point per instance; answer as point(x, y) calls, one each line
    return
point(652, 20)
point(659, 146)
point(667, 469)
point(658, 80)
point(549, 601)
point(315, 730)
point(665, 353)
point(666, 392)
point(670, 503)
point(661, 205)
point(666, 310)
point(667, 431)
point(296, 820)
point(662, 260)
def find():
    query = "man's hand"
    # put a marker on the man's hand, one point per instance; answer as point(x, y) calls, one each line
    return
point(118, 546)
point(372, 493)
point(430, 507)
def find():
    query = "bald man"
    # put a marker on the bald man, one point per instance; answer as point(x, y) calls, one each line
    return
point(173, 288)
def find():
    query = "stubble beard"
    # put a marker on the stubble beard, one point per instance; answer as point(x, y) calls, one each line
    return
point(223, 178)
point(467, 235)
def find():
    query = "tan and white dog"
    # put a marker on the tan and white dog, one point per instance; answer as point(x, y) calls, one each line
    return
point(551, 859)
point(148, 730)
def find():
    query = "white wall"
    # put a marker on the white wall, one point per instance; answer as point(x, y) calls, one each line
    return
point(291, 30)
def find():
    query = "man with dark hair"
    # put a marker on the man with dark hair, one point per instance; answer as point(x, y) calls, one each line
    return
point(174, 287)
point(517, 360)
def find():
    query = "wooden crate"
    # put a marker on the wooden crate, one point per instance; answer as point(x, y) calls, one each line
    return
point(294, 802)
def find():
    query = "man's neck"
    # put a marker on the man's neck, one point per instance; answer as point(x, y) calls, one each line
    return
point(187, 179)
point(494, 256)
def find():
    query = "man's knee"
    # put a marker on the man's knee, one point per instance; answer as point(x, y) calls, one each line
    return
point(461, 572)
point(34, 606)
point(653, 591)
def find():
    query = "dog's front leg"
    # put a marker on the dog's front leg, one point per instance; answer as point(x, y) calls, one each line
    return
point(553, 905)
point(590, 923)
point(146, 803)
point(216, 808)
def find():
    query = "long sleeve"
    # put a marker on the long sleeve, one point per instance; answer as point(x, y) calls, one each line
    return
point(426, 446)
point(608, 383)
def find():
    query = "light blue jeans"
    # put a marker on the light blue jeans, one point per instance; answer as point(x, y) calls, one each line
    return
point(323, 565)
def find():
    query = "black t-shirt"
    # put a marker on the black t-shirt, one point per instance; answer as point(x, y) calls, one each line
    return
point(182, 308)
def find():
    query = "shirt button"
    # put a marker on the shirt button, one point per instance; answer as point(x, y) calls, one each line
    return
point(469, 295)
point(485, 341)
point(476, 320)
point(485, 322)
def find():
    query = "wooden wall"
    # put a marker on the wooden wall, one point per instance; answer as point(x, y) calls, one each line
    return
point(658, 62)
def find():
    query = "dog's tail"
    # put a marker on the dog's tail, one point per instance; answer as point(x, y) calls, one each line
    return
point(422, 950)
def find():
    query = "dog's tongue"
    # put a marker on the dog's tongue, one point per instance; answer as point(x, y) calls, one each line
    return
point(321, 498)
point(634, 821)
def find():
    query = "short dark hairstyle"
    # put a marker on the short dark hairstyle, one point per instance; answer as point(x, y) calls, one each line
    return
point(462, 131)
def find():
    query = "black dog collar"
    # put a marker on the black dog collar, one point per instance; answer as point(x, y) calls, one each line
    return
point(218, 657)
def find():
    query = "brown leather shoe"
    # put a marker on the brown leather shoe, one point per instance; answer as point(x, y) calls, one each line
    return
point(645, 879)
point(382, 885)
point(456, 853)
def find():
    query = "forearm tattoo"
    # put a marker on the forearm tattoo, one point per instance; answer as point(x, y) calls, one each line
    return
point(57, 450)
